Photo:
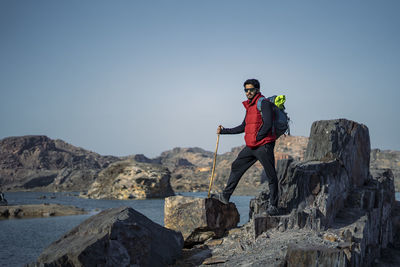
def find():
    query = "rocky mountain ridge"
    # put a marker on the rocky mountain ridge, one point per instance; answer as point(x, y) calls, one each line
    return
point(37, 162)
point(42, 164)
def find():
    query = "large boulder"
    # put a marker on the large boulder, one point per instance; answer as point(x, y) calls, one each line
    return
point(311, 192)
point(114, 237)
point(343, 140)
point(199, 219)
point(129, 179)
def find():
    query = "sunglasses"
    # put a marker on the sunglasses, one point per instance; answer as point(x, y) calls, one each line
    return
point(250, 89)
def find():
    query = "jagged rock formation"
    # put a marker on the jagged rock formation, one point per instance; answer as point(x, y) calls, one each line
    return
point(199, 219)
point(40, 163)
point(387, 159)
point(333, 191)
point(114, 237)
point(131, 180)
point(333, 212)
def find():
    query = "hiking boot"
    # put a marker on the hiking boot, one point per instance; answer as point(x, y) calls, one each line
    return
point(221, 198)
point(272, 211)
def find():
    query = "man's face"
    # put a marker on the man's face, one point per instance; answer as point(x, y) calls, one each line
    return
point(250, 91)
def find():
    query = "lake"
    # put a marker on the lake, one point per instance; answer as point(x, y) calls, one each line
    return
point(22, 240)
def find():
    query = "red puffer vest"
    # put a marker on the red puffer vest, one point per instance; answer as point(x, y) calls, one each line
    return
point(254, 123)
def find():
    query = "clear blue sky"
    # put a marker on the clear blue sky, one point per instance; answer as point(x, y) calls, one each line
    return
point(129, 77)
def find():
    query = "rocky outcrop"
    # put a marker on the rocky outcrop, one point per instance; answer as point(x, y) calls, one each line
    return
point(114, 237)
point(131, 180)
point(387, 159)
point(199, 219)
point(342, 140)
point(39, 163)
point(333, 191)
point(333, 211)
point(38, 210)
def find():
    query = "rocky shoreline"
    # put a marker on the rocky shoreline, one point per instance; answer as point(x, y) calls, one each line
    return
point(38, 210)
point(333, 211)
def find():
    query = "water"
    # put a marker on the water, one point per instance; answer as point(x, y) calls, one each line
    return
point(22, 240)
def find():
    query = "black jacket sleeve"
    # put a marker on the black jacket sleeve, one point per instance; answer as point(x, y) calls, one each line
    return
point(266, 111)
point(236, 130)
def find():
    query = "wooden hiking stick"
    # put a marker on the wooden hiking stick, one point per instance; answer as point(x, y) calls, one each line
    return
point(213, 168)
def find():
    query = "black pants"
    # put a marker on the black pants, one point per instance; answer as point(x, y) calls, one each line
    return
point(246, 158)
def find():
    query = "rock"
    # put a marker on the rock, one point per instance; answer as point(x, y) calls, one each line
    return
point(130, 179)
point(387, 159)
point(311, 192)
point(38, 210)
point(300, 255)
point(199, 219)
point(36, 162)
point(214, 260)
point(3, 200)
point(343, 140)
point(333, 192)
point(396, 224)
point(114, 237)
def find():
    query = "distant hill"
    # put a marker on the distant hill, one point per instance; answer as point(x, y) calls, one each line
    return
point(36, 162)
point(42, 164)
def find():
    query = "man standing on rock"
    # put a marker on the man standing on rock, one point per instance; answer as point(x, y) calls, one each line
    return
point(260, 143)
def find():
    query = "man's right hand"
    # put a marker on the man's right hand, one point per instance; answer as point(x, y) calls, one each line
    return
point(220, 127)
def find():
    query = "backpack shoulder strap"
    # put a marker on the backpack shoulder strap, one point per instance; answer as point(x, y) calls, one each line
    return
point(259, 103)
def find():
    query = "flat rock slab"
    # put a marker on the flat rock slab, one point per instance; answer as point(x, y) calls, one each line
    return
point(199, 219)
point(114, 237)
point(38, 210)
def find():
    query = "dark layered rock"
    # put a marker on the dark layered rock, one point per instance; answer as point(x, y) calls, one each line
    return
point(131, 180)
point(114, 237)
point(333, 191)
point(314, 255)
point(199, 219)
point(311, 192)
point(40, 163)
point(343, 140)
point(366, 219)
point(387, 159)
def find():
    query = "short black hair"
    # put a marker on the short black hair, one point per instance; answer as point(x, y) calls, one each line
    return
point(253, 82)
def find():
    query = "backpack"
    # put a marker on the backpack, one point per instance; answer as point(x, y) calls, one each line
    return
point(280, 125)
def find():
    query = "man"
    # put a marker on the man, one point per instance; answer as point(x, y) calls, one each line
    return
point(260, 143)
